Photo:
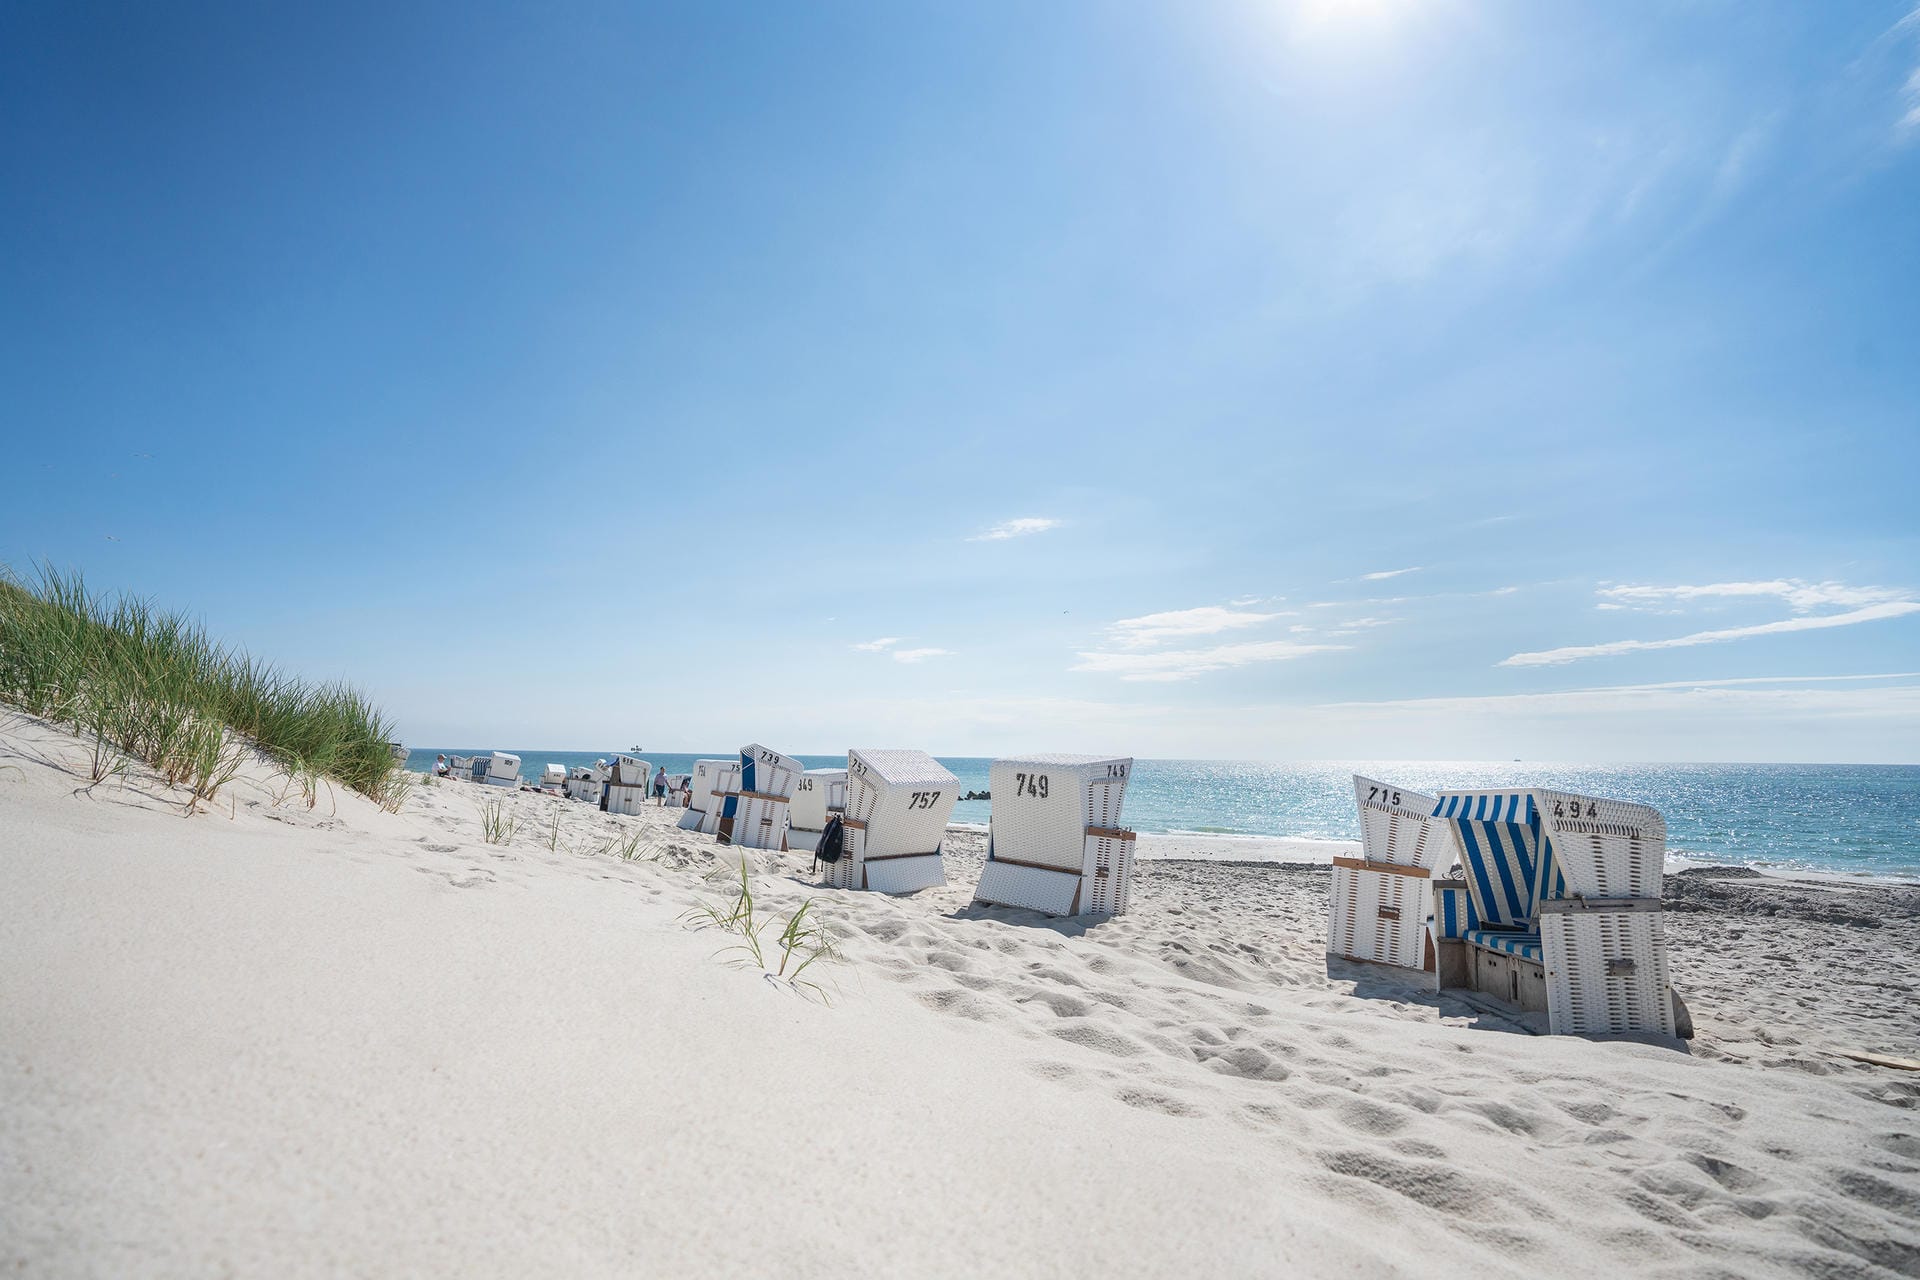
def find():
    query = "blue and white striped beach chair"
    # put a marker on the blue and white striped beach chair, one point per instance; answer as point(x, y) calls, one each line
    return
point(754, 812)
point(1559, 909)
point(1380, 901)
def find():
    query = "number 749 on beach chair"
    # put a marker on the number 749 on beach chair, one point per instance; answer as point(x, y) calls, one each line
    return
point(1054, 840)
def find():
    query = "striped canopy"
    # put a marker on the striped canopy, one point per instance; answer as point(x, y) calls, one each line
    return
point(1509, 860)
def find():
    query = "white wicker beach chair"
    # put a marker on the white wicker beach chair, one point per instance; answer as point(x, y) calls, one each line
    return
point(553, 777)
point(584, 782)
point(709, 784)
point(460, 767)
point(1054, 841)
point(754, 813)
point(898, 802)
point(627, 784)
point(1380, 901)
point(501, 769)
point(818, 795)
point(1559, 910)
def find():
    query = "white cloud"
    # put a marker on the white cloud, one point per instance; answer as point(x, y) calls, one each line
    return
point(1575, 653)
point(919, 655)
point(1799, 595)
point(1019, 528)
point(876, 646)
point(1153, 628)
point(1909, 95)
point(1384, 574)
point(1185, 664)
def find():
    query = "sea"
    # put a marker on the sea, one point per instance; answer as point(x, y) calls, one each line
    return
point(1846, 820)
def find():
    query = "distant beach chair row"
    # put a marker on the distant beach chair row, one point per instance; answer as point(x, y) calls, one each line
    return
point(1054, 841)
point(1557, 910)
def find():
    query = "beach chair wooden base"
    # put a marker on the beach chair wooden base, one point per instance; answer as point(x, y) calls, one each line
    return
point(758, 822)
point(908, 874)
point(623, 798)
point(1606, 967)
point(894, 873)
point(1378, 913)
point(1016, 884)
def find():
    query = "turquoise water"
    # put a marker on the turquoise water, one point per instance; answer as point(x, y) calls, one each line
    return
point(1840, 819)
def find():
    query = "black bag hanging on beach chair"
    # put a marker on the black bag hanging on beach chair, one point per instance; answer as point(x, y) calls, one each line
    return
point(832, 840)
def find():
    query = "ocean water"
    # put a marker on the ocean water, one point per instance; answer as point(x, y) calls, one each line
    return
point(1834, 819)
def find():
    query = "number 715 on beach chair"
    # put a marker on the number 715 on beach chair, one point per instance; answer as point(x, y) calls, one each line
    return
point(1381, 900)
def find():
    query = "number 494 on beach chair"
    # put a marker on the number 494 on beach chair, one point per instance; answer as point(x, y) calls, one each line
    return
point(1558, 910)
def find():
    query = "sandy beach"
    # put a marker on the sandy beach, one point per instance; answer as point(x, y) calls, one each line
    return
point(274, 1039)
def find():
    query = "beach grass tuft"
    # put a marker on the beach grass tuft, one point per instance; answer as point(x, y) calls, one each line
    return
point(803, 940)
point(148, 684)
point(496, 824)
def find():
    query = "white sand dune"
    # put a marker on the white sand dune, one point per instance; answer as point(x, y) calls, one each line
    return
point(274, 1040)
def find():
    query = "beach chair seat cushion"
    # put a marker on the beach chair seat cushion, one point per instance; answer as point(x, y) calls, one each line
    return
point(1527, 946)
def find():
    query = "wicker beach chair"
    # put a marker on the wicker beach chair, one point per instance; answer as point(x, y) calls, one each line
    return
point(818, 795)
point(585, 781)
point(753, 812)
point(1380, 901)
point(500, 769)
point(627, 783)
point(897, 806)
point(709, 783)
point(1054, 841)
point(1559, 909)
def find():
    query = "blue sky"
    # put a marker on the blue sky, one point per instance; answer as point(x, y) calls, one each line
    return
point(1342, 378)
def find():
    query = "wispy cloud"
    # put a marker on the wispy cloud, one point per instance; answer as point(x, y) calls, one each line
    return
point(1908, 126)
point(920, 655)
point(1384, 574)
point(1185, 664)
point(1178, 624)
point(1019, 528)
point(1577, 653)
point(1801, 596)
point(876, 646)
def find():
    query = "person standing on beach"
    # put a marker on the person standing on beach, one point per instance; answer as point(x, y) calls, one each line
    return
point(660, 786)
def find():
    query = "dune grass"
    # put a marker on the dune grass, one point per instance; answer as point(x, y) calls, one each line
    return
point(143, 683)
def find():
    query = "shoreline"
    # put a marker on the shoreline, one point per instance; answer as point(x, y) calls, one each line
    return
point(1253, 851)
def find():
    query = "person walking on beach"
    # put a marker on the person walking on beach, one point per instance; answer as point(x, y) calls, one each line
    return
point(660, 786)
